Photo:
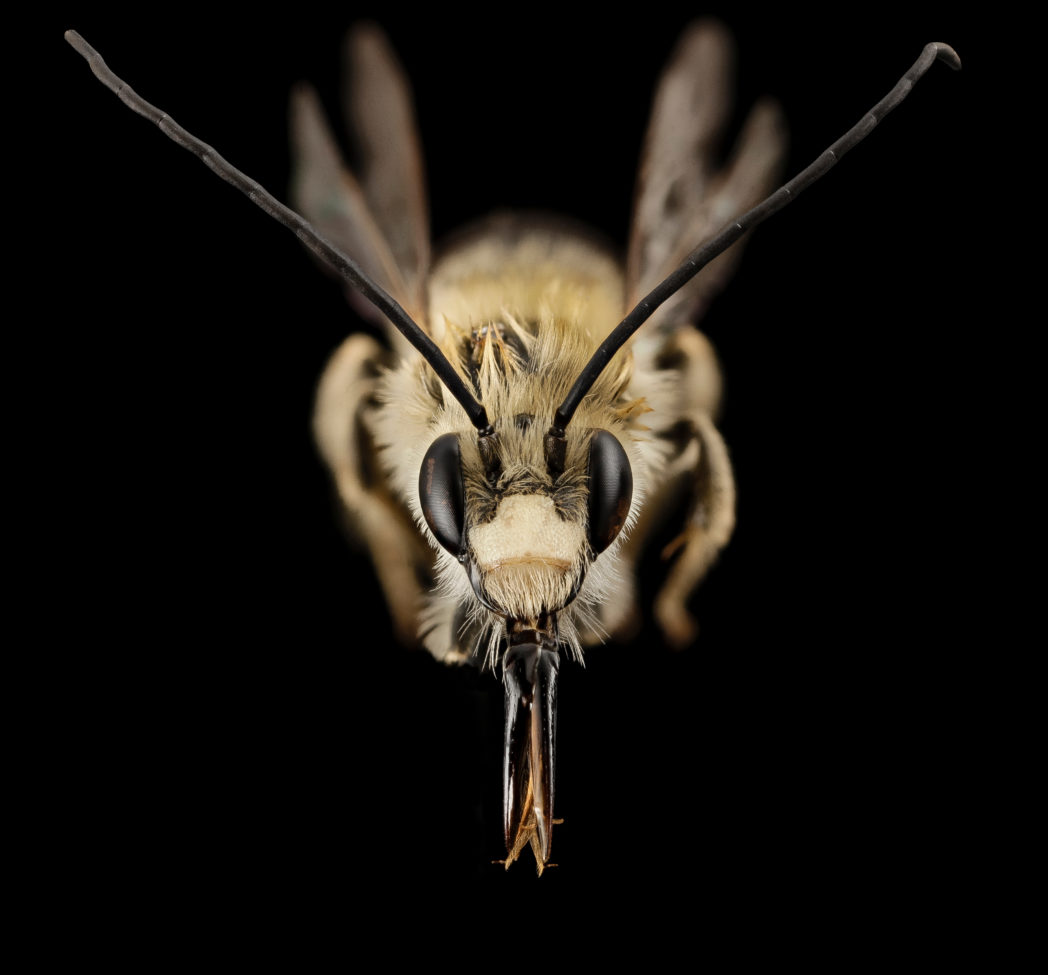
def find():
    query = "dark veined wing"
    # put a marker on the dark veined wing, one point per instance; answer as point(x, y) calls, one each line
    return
point(379, 219)
point(682, 198)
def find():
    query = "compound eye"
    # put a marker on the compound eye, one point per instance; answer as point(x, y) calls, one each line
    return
point(610, 489)
point(441, 493)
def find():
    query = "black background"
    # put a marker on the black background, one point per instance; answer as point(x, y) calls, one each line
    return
point(243, 734)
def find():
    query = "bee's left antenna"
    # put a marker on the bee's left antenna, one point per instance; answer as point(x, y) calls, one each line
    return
point(714, 247)
point(304, 230)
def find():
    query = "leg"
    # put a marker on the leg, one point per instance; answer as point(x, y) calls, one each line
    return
point(711, 519)
point(379, 521)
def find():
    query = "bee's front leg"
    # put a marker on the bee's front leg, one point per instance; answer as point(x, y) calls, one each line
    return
point(710, 522)
point(377, 519)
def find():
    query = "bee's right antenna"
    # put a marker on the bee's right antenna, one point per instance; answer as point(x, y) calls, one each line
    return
point(705, 253)
point(302, 229)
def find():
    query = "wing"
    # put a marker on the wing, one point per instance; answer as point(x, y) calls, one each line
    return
point(379, 219)
point(682, 198)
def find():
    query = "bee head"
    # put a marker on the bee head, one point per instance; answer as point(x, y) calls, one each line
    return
point(524, 512)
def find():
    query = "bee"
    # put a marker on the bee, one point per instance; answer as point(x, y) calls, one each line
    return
point(518, 462)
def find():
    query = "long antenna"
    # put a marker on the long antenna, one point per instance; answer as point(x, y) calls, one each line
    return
point(327, 252)
point(705, 253)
